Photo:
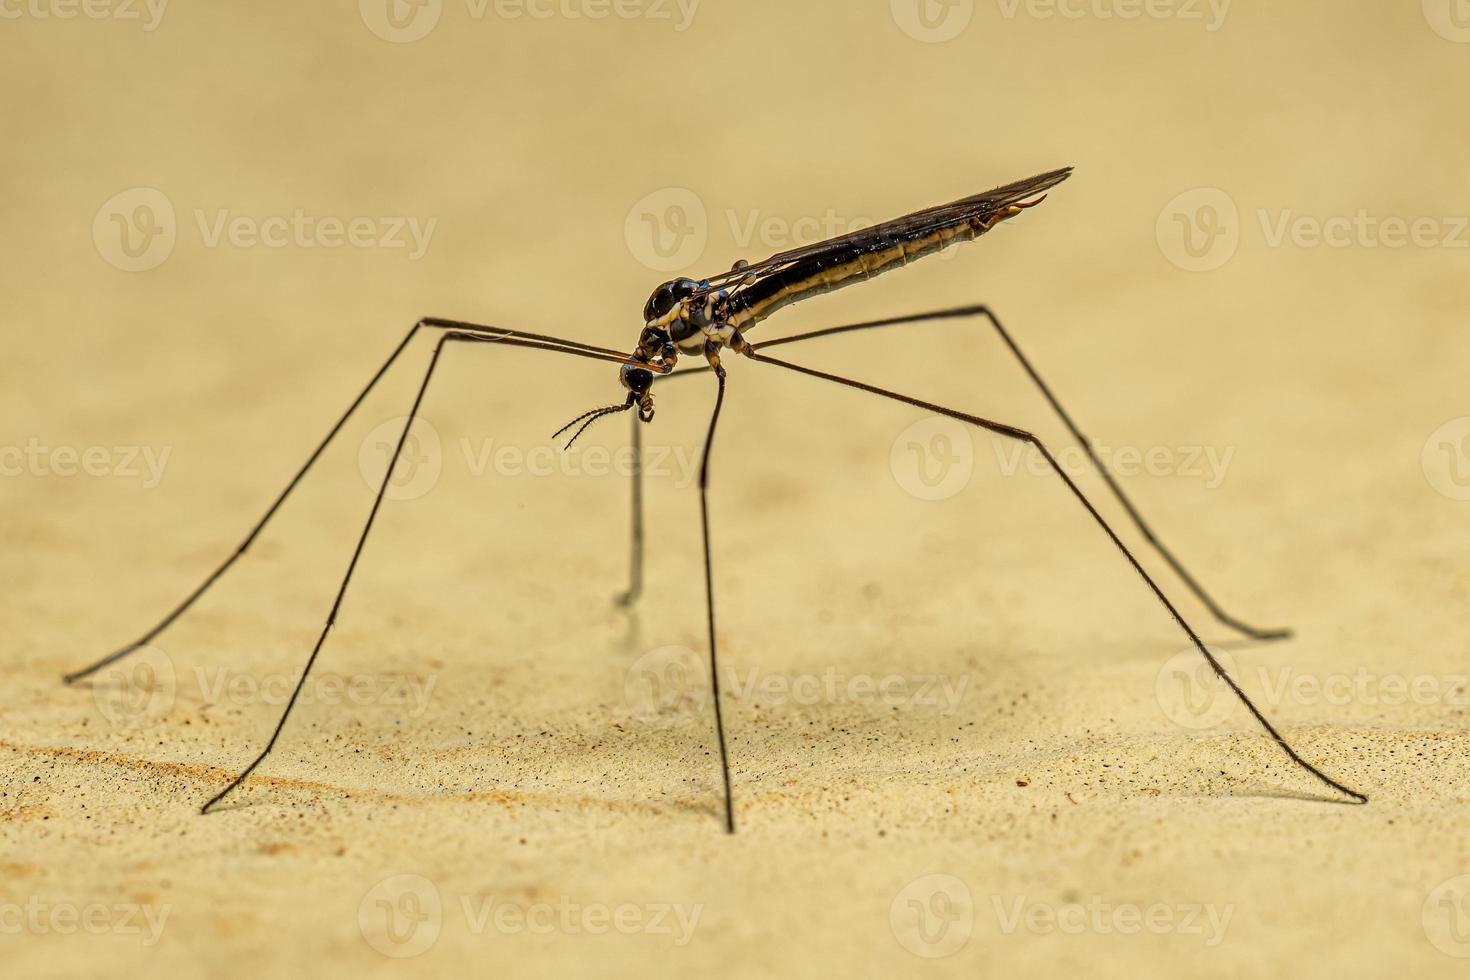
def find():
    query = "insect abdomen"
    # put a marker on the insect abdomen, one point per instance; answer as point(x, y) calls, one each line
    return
point(822, 275)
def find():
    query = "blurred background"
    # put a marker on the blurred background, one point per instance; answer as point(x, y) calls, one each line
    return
point(220, 219)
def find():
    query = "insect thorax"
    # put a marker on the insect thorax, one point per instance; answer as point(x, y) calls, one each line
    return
point(690, 314)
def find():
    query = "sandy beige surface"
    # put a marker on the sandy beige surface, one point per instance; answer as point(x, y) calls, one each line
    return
point(962, 741)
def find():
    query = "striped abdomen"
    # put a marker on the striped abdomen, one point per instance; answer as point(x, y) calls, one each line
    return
point(858, 263)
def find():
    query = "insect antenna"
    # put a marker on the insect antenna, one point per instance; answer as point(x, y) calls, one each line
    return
point(587, 418)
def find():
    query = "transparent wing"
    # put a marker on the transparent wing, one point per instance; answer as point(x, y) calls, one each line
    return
point(919, 222)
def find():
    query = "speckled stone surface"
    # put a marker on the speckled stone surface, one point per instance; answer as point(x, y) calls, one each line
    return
point(962, 740)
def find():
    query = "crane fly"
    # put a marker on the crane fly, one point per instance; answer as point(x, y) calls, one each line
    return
point(704, 318)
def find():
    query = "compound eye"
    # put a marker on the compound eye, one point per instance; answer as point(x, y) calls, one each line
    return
point(661, 302)
point(665, 296)
point(637, 380)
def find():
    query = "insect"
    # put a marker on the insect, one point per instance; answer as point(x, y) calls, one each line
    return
point(704, 319)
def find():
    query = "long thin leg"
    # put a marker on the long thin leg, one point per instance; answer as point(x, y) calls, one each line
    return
point(214, 576)
point(635, 556)
point(1027, 437)
point(1190, 582)
point(504, 337)
point(511, 337)
point(709, 597)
